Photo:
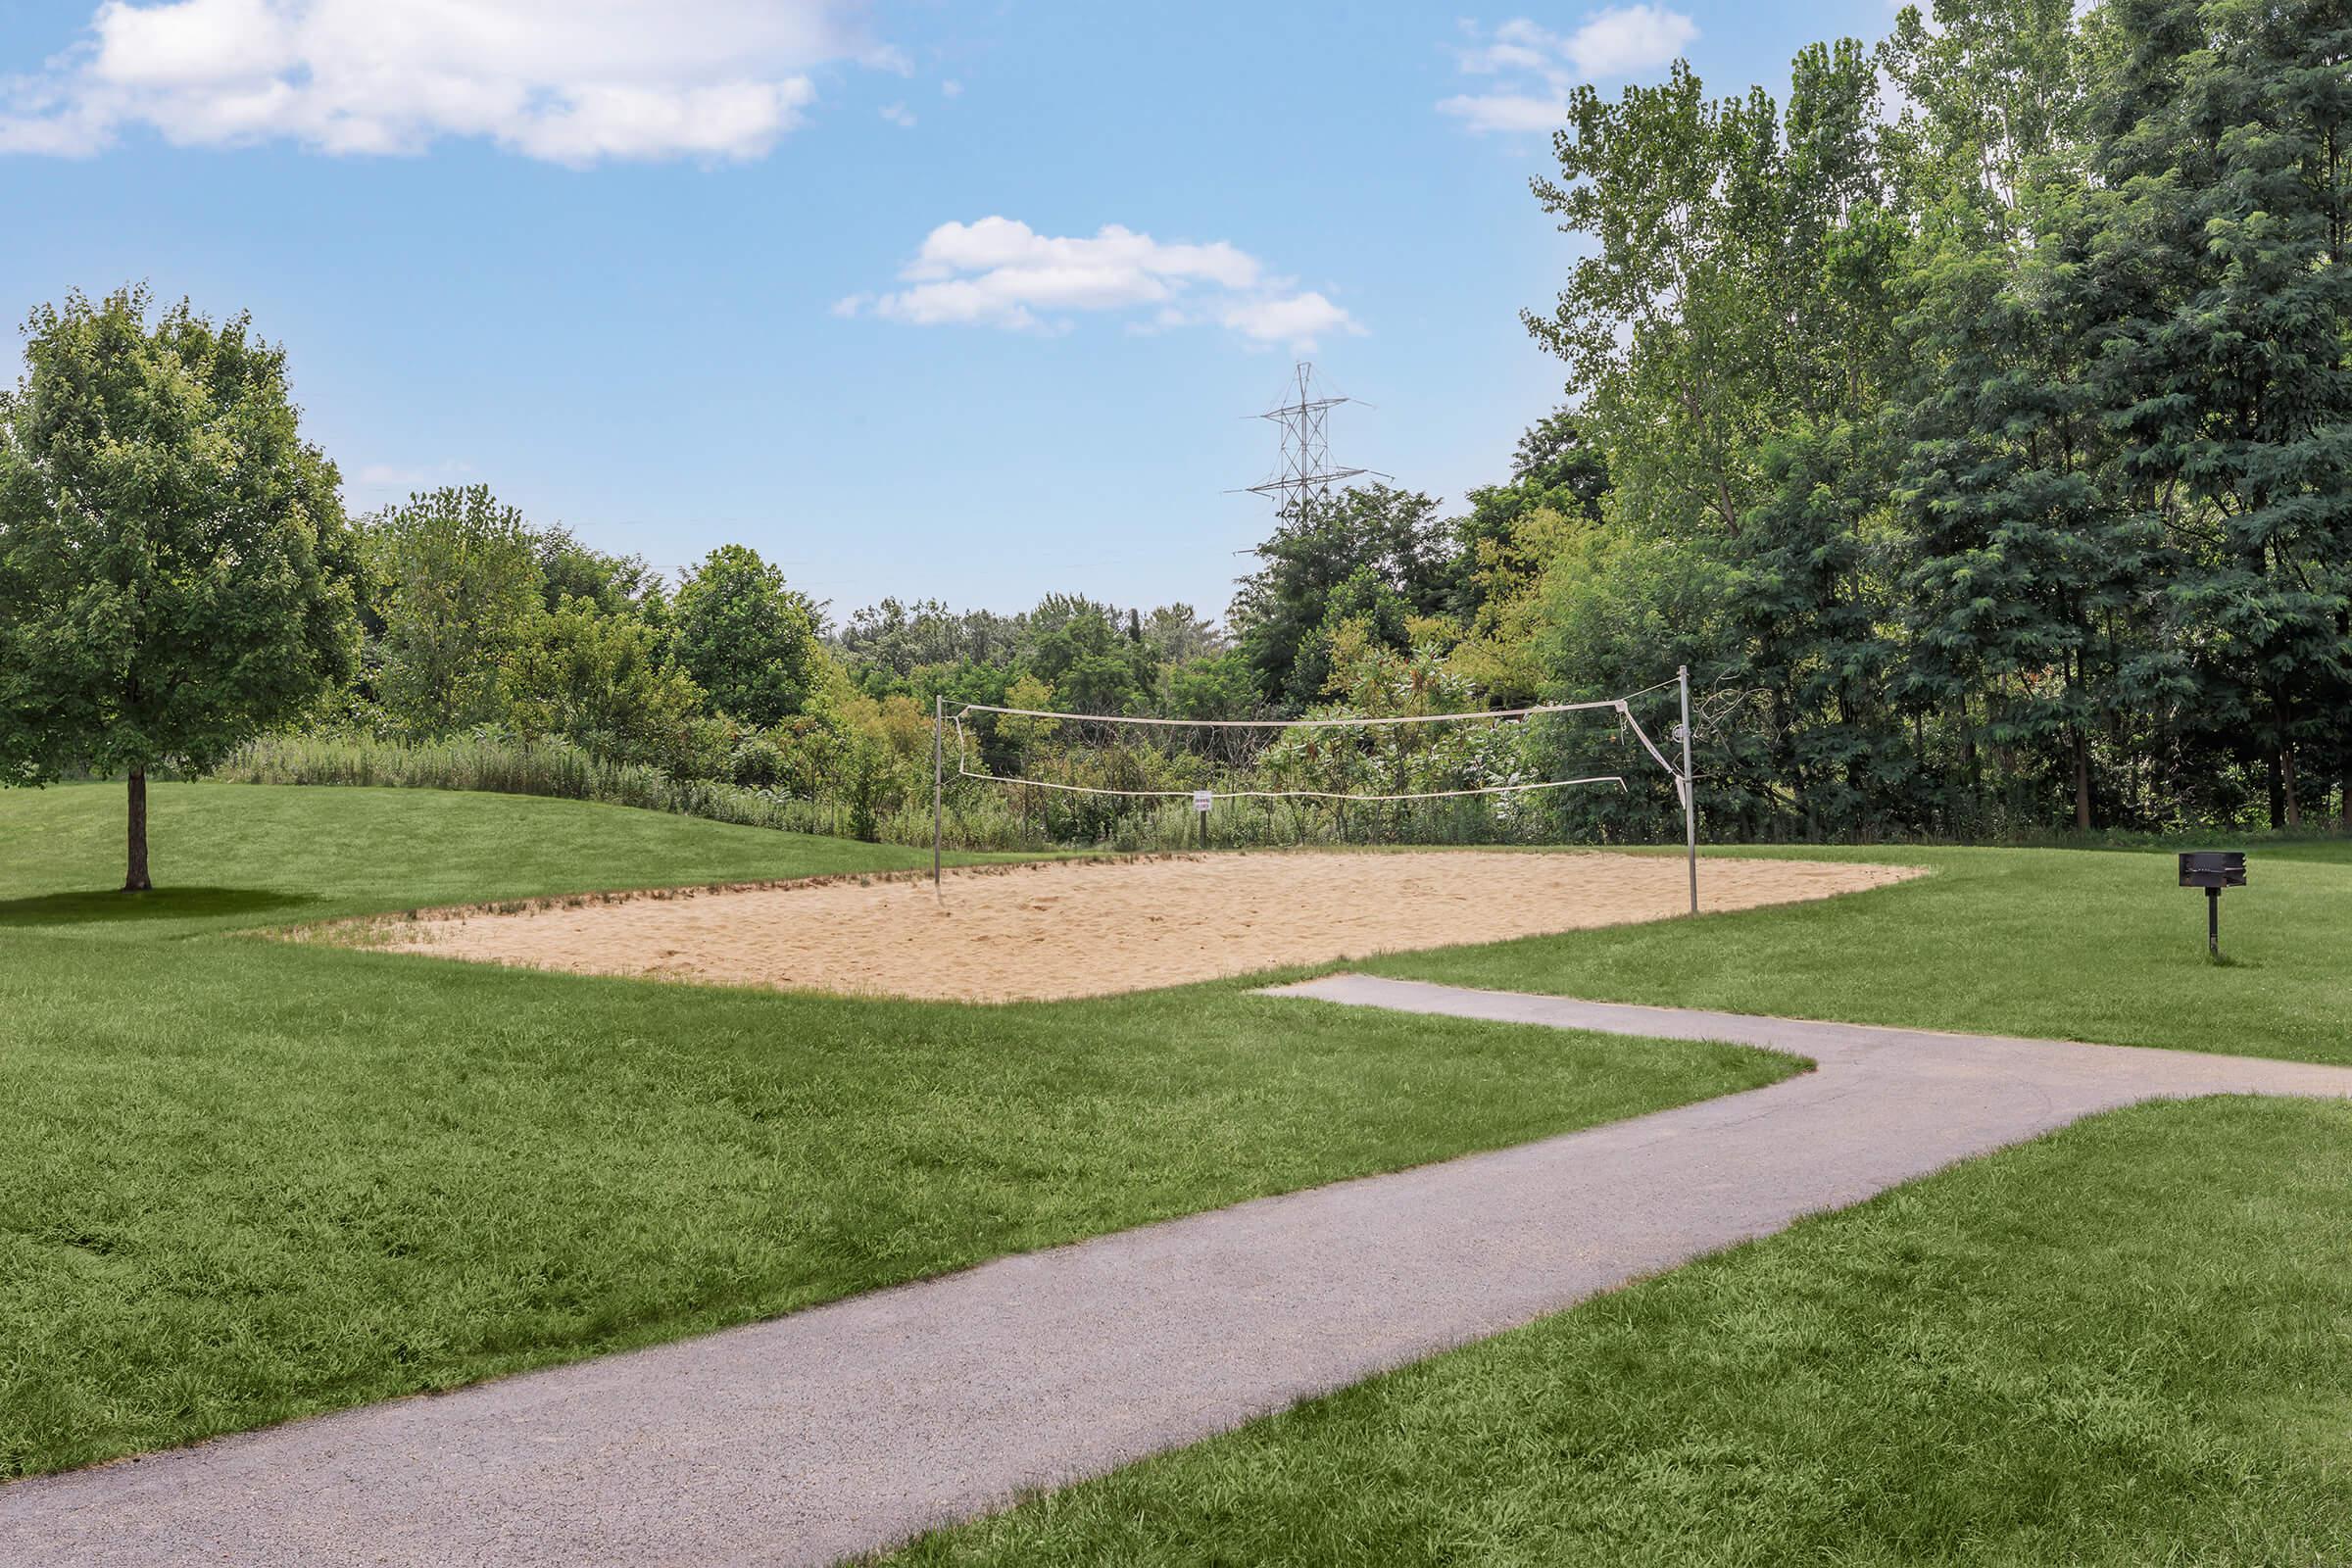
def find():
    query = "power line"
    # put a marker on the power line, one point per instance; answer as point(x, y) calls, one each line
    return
point(1304, 472)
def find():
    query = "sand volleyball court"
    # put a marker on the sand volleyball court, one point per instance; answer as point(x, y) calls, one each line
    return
point(1079, 929)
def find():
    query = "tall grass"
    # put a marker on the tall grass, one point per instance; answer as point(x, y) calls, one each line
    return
point(978, 816)
point(509, 766)
point(993, 816)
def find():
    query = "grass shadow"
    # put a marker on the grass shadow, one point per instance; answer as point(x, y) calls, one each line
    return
point(163, 903)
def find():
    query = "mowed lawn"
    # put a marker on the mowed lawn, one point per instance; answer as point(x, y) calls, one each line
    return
point(243, 1180)
point(2097, 944)
point(2130, 1342)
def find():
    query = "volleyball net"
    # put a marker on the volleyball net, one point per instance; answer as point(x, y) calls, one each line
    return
point(1461, 775)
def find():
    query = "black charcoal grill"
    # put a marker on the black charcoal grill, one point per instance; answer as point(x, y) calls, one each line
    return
point(2213, 870)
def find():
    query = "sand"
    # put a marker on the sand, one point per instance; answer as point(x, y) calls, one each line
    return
point(1073, 929)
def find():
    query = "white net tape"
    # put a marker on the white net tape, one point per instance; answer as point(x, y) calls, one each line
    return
point(1300, 723)
point(1619, 704)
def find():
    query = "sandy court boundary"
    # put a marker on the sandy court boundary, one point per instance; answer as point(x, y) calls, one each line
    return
point(1049, 930)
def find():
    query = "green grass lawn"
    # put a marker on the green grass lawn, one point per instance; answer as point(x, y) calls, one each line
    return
point(2131, 1342)
point(238, 855)
point(242, 1180)
point(2100, 945)
point(2126, 1344)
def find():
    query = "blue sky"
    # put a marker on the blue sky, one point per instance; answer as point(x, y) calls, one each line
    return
point(968, 302)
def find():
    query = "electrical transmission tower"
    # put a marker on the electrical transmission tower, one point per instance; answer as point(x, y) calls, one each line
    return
point(1307, 473)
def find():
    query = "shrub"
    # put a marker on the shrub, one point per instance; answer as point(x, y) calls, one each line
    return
point(757, 763)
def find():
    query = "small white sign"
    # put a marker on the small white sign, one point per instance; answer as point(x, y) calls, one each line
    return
point(1201, 800)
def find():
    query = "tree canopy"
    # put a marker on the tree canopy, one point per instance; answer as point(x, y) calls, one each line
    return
point(745, 638)
point(174, 567)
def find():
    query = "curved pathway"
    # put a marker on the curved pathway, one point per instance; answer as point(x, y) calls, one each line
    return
point(847, 1428)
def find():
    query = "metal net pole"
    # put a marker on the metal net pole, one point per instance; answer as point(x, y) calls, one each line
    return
point(939, 730)
point(1689, 788)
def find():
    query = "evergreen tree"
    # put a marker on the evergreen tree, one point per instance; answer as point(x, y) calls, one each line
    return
point(2026, 556)
point(2221, 220)
point(1807, 606)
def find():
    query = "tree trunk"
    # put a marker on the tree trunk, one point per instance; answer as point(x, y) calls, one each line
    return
point(1972, 766)
point(2290, 807)
point(135, 879)
point(2343, 738)
point(2082, 782)
point(2278, 790)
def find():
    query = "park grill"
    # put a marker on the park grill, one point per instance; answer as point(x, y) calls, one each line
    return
point(2213, 870)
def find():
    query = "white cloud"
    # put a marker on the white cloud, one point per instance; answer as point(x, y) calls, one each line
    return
point(1536, 67)
point(400, 480)
point(1004, 245)
point(898, 114)
point(1002, 273)
point(1507, 111)
point(573, 82)
point(1288, 319)
point(1626, 39)
point(950, 89)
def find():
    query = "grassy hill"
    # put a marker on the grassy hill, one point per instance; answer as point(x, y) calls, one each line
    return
point(242, 1180)
point(231, 855)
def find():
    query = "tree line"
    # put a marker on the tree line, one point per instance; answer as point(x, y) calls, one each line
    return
point(1976, 419)
point(178, 575)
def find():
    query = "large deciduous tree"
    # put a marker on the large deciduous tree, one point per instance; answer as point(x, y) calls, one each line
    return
point(745, 638)
point(603, 678)
point(1728, 335)
point(1666, 325)
point(173, 560)
point(1375, 552)
point(456, 581)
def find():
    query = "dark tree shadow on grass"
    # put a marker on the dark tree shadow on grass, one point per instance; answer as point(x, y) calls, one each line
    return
point(163, 903)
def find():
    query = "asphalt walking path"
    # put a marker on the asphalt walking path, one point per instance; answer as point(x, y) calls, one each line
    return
point(847, 1428)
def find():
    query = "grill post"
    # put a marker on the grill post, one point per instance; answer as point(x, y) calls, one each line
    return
point(2213, 870)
